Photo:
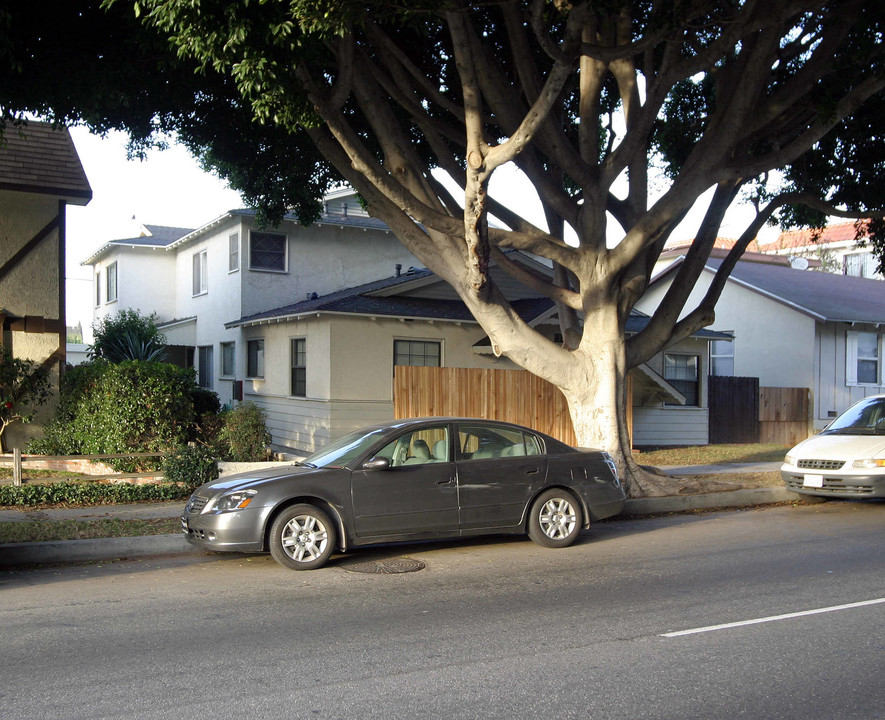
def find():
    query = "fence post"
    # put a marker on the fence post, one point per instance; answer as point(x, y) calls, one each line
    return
point(16, 467)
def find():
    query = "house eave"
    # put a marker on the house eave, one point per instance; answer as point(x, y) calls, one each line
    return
point(293, 317)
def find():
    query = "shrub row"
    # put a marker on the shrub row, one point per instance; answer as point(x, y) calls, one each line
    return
point(92, 493)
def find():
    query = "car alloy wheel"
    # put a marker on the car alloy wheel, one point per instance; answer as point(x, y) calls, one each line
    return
point(302, 537)
point(555, 519)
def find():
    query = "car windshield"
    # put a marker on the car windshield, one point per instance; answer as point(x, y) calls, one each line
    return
point(865, 418)
point(344, 450)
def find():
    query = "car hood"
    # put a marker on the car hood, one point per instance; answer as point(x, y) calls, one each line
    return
point(840, 447)
point(255, 478)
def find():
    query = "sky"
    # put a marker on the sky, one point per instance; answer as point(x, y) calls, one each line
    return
point(169, 188)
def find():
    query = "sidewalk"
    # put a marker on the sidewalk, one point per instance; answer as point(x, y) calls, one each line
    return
point(21, 554)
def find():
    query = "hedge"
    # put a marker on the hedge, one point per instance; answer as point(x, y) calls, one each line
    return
point(90, 493)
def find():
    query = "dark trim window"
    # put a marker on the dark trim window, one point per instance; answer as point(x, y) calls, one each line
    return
point(201, 273)
point(233, 262)
point(204, 366)
point(97, 289)
point(417, 352)
point(267, 251)
point(681, 371)
point(111, 278)
point(228, 359)
point(255, 358)
point(299, 367)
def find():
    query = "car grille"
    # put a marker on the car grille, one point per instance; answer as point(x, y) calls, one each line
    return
point(832, 486)
point(820, 464)
point(195, 504)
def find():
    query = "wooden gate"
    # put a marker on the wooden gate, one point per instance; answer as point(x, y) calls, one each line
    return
point(784, 415)
point(734, 409)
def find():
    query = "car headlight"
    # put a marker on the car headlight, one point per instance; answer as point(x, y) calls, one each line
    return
point(790, 460)
point(869, 463)
point(236, 500)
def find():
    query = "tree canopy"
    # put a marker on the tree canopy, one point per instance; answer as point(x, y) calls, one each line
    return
point(620, 113)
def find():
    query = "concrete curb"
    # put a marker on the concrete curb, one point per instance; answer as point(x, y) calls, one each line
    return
point(14, 555)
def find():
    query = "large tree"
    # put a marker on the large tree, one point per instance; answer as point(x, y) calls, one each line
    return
point(780, 100)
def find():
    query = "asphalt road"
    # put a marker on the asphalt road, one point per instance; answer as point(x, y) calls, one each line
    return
point(498, 628)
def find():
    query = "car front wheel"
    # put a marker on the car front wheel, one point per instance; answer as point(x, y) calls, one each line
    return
point(555, 519)
point(302, 538)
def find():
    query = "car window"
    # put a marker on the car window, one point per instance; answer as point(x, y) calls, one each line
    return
point(418, 447)
point(866, 417)
point(345, 449)
point(478, 442)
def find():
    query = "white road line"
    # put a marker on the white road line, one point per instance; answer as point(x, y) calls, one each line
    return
point(773, 618)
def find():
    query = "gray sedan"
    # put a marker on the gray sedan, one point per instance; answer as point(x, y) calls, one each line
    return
point(429, 478)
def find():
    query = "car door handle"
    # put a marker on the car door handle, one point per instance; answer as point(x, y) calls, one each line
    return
point(532, 470)
point(449, 481)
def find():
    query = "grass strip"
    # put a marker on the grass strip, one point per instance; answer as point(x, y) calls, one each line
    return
point(57, 530)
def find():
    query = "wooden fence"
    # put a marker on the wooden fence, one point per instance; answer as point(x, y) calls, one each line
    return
point(784, 415)
point(510, 395)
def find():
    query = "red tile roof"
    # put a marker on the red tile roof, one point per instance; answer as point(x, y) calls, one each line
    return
point(842, 232)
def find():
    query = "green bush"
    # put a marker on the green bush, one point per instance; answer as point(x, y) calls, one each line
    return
point(127, 407)
point(244, 436)
point(191, 466)
point(91, 493)
point(128, 335)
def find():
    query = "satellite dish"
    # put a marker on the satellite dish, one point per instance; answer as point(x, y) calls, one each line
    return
point(799, 263)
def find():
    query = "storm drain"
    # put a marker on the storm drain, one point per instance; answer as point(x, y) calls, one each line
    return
point(385, 566)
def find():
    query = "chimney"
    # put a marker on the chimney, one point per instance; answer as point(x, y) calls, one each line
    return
point(399, 269)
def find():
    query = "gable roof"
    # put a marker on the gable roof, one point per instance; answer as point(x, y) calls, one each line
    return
point(37, 158)
point(827, 297)
point(154, 236)
point(374, 299)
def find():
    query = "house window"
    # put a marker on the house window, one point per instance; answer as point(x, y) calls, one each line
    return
point(228, 359)
point(233, 262)
point(862, 264)
point(681, 371)
point(722, 357)
point(267, 251)
point(111, 290)
point(255, 359)
point(201, 270)
point(416, 352)
point(204, 366)
point(862, 366)
point(97, 289)
point(299, 367)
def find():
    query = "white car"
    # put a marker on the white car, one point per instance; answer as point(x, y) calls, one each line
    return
point(847, 459)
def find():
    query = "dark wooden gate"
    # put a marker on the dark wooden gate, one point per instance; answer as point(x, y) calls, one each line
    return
point(734, 409)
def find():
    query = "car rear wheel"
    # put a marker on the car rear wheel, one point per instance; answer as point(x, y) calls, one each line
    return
point(302, 538)
point(555, 519)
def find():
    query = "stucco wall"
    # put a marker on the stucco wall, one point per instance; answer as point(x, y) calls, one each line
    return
point(144, 283)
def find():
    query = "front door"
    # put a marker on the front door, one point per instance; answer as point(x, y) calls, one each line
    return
point(417, 495)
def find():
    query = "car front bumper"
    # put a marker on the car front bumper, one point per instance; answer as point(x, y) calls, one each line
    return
point(833, 484)
point(238, 531)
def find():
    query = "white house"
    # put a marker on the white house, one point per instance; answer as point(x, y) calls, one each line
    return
point(309, 322)
point(795, 328)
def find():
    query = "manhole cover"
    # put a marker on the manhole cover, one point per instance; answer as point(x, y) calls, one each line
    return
point(387, 566)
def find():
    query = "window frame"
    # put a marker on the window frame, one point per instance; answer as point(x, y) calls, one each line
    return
point(111, 297)
point(411, 355)
point(225, 371)
point(285, 254)
point(233, 252)
point(200, 273)
point(680, 383)
point(205, 369)
point(714, 356)
point(254, 371)
point(298, 372)
point(853, 358)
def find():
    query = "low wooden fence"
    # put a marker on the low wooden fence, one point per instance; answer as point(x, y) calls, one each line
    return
point(86, 465)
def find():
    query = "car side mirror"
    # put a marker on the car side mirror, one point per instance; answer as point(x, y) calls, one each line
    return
point(377, 463)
